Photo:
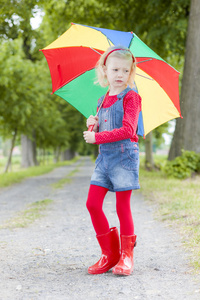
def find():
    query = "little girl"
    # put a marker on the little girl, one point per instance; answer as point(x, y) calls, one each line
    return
point(117, 165)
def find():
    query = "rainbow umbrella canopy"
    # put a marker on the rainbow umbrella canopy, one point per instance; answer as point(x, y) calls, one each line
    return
point(72, 59)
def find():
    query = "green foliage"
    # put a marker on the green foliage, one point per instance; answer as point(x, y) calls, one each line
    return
point(158, 139)
point(17, 86)
point(183, 166)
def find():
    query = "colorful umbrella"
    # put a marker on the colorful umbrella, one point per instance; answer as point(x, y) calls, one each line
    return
point(72, 59)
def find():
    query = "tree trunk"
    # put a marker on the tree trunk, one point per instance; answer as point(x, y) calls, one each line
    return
point(187, 131)
point(28, 152)
point(56, 155)
point(67, 154)
point(149, 163)
point(11, 150)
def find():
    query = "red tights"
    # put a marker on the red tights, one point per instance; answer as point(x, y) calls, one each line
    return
point(94, 205)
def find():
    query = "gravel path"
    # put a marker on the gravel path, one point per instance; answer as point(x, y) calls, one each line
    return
point(48, 260)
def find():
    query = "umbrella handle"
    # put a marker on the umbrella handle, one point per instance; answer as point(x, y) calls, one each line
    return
point(90, 128)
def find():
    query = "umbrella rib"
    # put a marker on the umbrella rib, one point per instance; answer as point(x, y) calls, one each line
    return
point(131, 40)
point(95, 50)
point(144, 76)
point(144, 61)
point(108, 41)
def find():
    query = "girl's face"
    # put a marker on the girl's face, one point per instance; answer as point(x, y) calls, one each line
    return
point(117, 71)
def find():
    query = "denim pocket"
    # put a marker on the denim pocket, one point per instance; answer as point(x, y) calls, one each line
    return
point(98, 160)
point(130, 159)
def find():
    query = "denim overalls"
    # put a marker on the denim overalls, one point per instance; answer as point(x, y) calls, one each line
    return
point(117, 165)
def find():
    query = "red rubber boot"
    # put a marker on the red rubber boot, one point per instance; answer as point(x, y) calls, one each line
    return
point(110, 248)
point(125, 264)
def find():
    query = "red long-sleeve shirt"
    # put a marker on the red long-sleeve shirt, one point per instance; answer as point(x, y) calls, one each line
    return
point(132, 107)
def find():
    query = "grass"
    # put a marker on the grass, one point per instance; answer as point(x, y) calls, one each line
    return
point(178, 204)
point(26, 217)
point(7, 179)
point(15, 164)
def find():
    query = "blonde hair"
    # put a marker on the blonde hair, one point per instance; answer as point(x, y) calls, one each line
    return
point(114, 51)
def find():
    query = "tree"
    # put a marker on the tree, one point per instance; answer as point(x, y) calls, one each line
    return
point(187, 131)
point(15, 25)
point(17, 96)
point(26, 107)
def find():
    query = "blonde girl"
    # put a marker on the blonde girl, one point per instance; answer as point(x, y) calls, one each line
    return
point(117, 165)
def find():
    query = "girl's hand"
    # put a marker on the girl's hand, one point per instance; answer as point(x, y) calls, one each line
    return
point(89, 137)
point(93, 120)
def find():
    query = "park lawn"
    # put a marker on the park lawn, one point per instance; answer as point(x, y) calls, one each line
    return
point(178, 203)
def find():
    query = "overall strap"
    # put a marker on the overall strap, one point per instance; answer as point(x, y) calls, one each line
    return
point(123, 93)
point(100, 100)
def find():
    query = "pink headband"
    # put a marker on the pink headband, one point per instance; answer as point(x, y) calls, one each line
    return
point(117, 50)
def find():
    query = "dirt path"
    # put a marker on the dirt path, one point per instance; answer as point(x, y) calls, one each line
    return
point(48, 260)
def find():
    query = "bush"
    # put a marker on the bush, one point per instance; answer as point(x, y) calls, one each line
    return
point(183, 166)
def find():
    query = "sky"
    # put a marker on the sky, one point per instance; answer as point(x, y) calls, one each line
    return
point(37, 19)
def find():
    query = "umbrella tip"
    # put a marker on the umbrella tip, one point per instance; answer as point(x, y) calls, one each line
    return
point(72, 23)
